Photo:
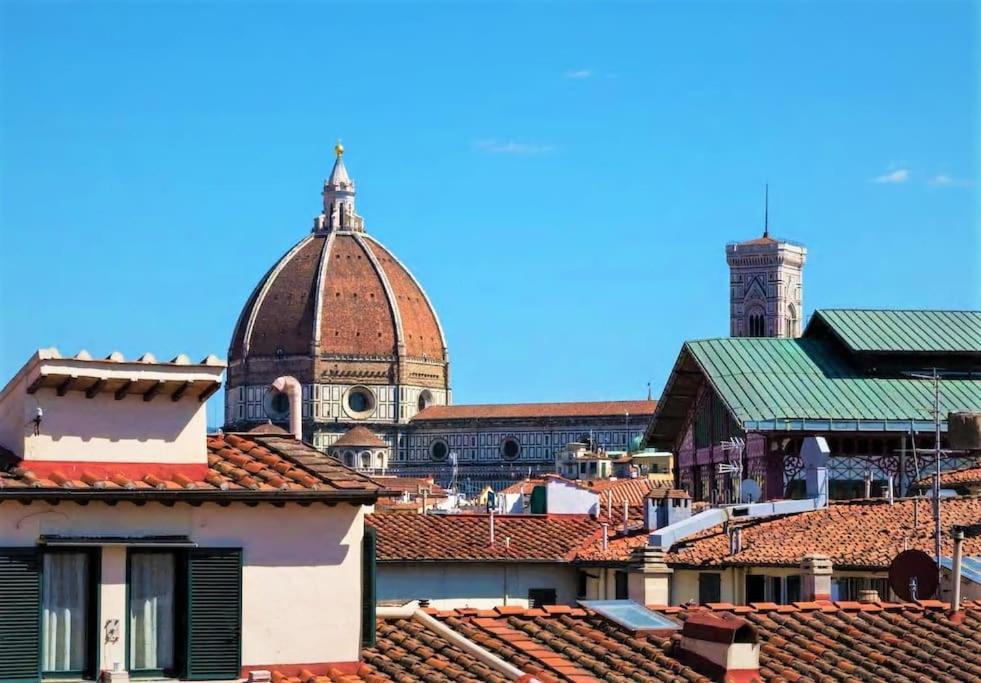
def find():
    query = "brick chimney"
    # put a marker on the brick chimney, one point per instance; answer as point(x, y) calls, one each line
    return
point(815, 577)
point(649, 578)
point(722, 648)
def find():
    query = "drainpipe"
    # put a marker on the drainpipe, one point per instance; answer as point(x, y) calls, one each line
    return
point(958, 552)
point(626, 510)
point(291, 387)
point(492, 526)
point(889, 491)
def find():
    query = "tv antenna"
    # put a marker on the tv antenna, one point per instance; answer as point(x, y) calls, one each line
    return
point(734, 447)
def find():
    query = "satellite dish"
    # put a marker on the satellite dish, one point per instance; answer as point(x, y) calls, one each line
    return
point(913, 575)
point(750, 491)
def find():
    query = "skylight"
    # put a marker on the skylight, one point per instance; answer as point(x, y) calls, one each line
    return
point(631, 615)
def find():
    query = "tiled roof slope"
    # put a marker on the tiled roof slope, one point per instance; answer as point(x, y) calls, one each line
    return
point(530, 410)
point(862, 534)
point(528, 538)
point(775, 380)
point(236, 463)
point(407, 650)
point(953, 478)
point(903, 331)
point(800, 642)
point(360, 436)
point(411, 485)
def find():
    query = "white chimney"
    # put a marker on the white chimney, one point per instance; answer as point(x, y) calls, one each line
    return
point(815, 571)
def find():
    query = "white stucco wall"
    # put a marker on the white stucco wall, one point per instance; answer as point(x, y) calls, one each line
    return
point(483, 585)
point(301, 581)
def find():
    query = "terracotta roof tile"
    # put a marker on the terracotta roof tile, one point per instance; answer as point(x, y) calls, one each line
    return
point(411, 537)
point(854, 534)
point(953, 478)
point(360, 436)
point(235, 463)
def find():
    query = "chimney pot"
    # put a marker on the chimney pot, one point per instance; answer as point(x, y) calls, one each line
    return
point(869, 596)
point(723, 648)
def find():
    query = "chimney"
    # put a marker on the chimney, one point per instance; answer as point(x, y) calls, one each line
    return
point(722, 648)
point(626, 513)
point(650, 514)
point(958, 533)
point(291, 387)
point(869, 596)
point(815, 577)
point(815, 455)
point(649, 577)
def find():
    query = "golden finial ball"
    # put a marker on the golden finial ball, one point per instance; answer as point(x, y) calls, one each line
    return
point(338, 148)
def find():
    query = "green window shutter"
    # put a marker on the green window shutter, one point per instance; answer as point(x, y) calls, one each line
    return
point(20, 606)
point(214, 613)
point(369, 543)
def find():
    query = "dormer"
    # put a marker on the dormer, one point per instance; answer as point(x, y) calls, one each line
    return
point(66, 412)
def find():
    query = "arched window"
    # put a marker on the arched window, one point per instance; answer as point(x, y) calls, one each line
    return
point(791, 320)
point(349, 459)
point(366, 460)
point(756, 323)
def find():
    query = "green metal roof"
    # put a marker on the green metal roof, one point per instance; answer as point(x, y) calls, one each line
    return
point(782, 384)
point(896, 331)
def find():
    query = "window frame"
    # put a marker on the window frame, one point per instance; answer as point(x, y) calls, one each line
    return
point(93, 615)
point(180, 613)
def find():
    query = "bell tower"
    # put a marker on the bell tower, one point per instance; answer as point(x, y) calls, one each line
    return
point(766, 286)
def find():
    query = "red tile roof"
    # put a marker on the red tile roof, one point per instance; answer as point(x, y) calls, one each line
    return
point(953, 478)
point(864, 534)
point(360, 436)
point(411, 485)
point(530, 410)
point(237, 464)
point(801, 642)
point(528, 538)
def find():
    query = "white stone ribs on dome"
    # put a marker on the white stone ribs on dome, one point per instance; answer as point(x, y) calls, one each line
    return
point(389, 293)
point(321, 277)
point(254, 313)
point(439, 325)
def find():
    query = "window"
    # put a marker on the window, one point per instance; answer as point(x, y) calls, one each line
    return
point(510, 449)
point(709, 587)
point(755, 588)
point(68, 612)
point(438, 450)
point(539, 597)
point(425, 399)
point(360, 402)
point(152, 598)
point(620, 585)
point(793, 589)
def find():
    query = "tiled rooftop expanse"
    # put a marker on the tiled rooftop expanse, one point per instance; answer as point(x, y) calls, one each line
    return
point(855, 534)
point(408, 537)
point(800, 642)
point(953, 478)
point(235, 463)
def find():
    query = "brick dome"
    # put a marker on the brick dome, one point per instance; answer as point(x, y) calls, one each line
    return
point(341, 294)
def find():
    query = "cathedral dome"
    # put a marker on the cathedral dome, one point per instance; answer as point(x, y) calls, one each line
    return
point(337, 294)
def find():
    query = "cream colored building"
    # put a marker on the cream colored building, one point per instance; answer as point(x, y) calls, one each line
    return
point(131, 543)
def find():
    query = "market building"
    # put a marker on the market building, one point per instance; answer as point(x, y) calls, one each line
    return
point(862, 379)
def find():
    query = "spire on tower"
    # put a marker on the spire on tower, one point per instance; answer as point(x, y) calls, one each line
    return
point(766, 210)
point(338, 197)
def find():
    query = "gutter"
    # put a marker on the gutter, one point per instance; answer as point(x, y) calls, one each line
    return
point(471, 648)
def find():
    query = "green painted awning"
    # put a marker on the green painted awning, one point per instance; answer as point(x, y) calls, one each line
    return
point(900, 331)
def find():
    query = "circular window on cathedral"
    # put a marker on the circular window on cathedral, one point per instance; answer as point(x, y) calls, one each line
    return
point(425, 399)
point(438, 450)
point(510, 449)
point(360, 402)
point(276, 405)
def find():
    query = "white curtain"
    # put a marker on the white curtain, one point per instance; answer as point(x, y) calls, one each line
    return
point(151, 611)
point(64, 593)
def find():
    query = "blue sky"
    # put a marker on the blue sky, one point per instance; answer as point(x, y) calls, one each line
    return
point(561, 178)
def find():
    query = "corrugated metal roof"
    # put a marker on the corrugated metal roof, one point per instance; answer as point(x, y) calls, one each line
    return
point(894, 331)
point(767, 381)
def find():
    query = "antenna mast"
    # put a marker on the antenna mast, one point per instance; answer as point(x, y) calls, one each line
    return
point(766, 210)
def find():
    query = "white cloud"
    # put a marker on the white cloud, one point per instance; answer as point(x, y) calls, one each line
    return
point(944, 180)
point(494, 146)
point(900, 175)
point(579, 74)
